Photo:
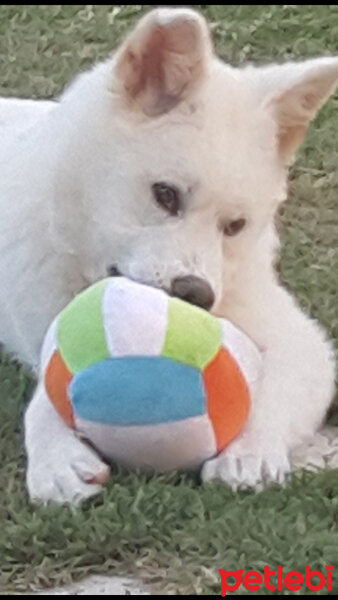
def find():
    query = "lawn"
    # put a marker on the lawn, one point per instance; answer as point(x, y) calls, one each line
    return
point(170, 530)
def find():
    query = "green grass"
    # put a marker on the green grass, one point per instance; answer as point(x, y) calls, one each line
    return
point(170, 530)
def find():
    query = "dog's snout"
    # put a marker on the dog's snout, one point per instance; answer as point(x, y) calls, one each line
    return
point(194, 290)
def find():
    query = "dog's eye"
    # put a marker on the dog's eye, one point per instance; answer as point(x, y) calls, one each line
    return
point(168, 197)
point(234, 227)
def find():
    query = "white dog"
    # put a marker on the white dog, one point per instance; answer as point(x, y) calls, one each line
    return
point(165, 165)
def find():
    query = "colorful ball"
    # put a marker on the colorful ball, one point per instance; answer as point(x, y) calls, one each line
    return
point(148, 379)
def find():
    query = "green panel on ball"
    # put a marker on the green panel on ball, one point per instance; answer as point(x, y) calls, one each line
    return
point(193, 335)
point(80, 333)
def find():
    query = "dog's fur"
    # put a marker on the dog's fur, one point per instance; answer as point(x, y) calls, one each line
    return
point(75, 196)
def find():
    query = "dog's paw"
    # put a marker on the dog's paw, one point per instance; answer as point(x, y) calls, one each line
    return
point(247, 465)
point(66, 475)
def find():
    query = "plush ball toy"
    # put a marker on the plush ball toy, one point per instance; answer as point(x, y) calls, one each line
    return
point(149, 380)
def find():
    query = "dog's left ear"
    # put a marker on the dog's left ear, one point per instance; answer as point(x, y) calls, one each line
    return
point(162, 59)
point(295, 92)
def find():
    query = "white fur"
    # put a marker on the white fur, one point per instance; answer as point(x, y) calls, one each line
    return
point(60, 467)
point(75, 197)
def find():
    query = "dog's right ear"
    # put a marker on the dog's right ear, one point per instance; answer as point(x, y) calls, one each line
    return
point(294, 92)
point(162, 60)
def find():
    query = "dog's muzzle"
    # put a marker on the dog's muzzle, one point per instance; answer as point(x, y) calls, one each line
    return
point(189, 288)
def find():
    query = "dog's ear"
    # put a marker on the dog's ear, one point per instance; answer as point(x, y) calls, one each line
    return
point(295, 92)
point(162, 59)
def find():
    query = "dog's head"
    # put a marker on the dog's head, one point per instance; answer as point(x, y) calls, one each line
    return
point(183, 159)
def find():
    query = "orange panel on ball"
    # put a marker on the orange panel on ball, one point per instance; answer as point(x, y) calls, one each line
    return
point(228, 398)
point(57, 379)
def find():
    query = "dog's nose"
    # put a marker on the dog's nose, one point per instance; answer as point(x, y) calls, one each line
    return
point(194, 290)
point(113, 271)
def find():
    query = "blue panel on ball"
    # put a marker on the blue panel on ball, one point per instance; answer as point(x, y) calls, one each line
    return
point(137, 391)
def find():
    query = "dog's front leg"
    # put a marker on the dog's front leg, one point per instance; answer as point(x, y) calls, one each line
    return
point(296, 389)
point(259, 454)
point(61, 468)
